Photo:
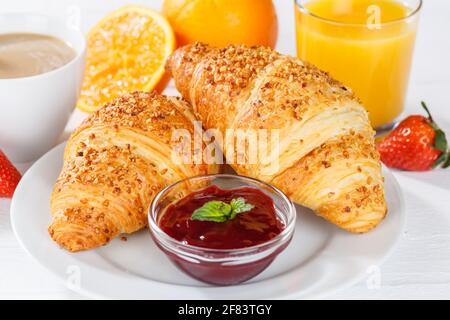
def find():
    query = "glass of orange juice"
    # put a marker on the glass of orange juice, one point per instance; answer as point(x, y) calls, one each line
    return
point(365, 44)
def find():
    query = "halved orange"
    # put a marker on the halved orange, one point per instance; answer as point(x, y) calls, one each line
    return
point(126, 52)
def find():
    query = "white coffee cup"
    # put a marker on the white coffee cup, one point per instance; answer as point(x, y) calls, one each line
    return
point(34, 110)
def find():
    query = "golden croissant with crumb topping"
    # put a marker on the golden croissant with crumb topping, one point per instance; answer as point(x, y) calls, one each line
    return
point(327, 157)
point(114, 164)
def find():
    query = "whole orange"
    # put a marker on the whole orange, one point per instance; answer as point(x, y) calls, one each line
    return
point(223, 22)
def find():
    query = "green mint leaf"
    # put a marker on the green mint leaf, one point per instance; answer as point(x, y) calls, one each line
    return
point(217, 211)
point(239, 206)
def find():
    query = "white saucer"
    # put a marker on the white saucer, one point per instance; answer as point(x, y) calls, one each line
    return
point(320, 259)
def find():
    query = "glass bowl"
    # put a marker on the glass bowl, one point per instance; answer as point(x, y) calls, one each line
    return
point(221, 266)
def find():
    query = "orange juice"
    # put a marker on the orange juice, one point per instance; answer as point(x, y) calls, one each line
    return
point(366, 44)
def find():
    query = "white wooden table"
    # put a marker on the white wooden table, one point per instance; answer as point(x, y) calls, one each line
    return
point(420, 265)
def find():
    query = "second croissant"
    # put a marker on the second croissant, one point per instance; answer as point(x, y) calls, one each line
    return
point(327, 157)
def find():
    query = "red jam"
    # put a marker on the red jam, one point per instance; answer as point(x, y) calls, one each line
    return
point(256, 226)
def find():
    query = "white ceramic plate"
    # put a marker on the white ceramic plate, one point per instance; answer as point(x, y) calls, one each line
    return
point(320, 259)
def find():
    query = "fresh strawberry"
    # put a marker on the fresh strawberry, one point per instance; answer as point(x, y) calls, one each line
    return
point(9, 177)
point(416, 144)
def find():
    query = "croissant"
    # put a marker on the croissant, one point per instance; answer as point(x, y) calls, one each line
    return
point(327, 160)
point(114, 164)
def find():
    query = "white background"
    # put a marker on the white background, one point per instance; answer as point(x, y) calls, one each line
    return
point(420, 265)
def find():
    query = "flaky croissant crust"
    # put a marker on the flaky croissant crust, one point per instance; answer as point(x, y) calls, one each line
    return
point(114, 164)
point(327, 157)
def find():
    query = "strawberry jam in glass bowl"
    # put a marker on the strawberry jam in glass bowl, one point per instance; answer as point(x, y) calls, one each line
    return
point(222, 229)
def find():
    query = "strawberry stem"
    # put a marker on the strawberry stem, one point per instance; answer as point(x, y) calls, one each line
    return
point(427, 111)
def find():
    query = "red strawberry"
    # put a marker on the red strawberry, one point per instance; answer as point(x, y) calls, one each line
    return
point(416, 144)
point(9, 177)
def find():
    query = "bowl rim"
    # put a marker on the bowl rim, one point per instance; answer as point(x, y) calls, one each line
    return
point(285, 234)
